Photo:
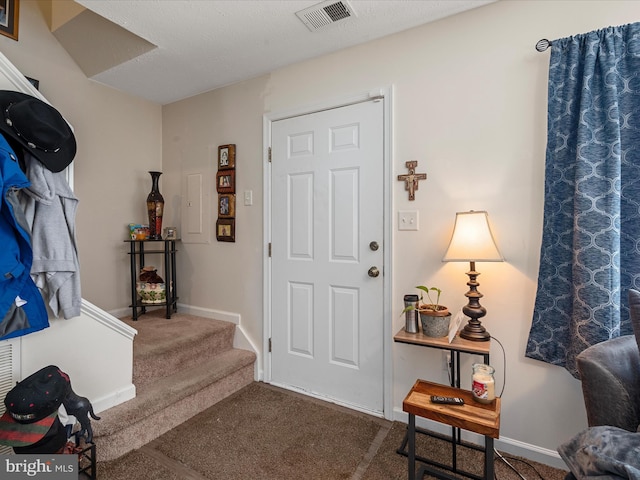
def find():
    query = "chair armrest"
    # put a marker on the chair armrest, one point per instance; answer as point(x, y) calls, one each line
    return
point(610, 374)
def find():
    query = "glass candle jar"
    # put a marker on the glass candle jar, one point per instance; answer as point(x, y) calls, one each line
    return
point(483, 384)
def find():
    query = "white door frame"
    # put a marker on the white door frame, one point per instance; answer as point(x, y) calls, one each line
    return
point(267, 119)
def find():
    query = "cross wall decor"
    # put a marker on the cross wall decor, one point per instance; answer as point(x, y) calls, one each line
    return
point(412, 178)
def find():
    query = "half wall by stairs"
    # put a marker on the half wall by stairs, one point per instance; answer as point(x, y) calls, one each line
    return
point(181, 366)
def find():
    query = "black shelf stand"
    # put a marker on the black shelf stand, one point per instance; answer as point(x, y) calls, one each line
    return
point(455, 350)
point(137, 253)
point(87, 461)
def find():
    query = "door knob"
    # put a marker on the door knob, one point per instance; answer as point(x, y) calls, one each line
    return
point(373, 246)
point(373, 272)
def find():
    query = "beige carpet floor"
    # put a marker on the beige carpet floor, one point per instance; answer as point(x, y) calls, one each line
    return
point(266, 433)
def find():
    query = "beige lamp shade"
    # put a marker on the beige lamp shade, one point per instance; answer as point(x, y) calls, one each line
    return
point(472, 240)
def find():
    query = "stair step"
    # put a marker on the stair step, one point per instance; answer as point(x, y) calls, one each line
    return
point(170, 401)
point(166, 346)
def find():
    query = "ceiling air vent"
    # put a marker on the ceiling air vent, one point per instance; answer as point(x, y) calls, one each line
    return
point(325, 13)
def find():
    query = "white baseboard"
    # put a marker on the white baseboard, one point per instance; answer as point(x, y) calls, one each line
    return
point(532, 452)
point(210, 313)
point(120, 312)
point(503, 444)
point(114, 398)
point(190, 310)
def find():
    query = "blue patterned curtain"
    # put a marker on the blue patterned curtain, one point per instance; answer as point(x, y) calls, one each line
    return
point(590, 252)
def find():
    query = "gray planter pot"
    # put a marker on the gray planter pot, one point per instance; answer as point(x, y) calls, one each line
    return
point(435, 326)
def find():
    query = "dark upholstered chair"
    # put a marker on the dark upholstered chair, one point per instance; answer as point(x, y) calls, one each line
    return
point(610, 374)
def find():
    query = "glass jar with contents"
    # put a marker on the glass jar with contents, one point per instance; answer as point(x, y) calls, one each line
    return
point(483, 383)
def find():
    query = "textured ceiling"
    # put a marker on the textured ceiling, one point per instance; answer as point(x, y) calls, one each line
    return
point(206, 44)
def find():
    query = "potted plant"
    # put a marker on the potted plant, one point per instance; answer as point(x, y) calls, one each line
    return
point(433, 316)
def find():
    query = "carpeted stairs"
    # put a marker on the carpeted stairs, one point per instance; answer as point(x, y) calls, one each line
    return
point(181, 366)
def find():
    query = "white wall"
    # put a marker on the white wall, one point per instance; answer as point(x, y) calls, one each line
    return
point(94, 349)
point(119, 140)
point(470, 106)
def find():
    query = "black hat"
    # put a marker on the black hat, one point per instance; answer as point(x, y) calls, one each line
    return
point(39, 128)
point(32, 406)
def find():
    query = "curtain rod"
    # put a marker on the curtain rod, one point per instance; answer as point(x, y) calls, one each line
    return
point(543, 44)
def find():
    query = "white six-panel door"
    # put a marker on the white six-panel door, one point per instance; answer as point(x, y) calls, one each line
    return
point(327, 215)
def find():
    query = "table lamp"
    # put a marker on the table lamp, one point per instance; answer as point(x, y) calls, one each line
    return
point(473, 242)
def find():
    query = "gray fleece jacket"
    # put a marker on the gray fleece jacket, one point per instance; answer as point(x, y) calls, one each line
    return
point(50, 208)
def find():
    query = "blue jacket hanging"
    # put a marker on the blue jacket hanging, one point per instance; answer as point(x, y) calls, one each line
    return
point(22, 309)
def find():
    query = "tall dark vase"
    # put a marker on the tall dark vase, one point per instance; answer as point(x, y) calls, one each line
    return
point(155, 208)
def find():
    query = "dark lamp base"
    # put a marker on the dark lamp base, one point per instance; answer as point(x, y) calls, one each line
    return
point(475, 332)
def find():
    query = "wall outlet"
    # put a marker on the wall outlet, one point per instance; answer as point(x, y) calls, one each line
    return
point(446, 366)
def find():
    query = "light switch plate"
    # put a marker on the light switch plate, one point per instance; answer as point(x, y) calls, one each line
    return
point(408, 220)
point(248, 197)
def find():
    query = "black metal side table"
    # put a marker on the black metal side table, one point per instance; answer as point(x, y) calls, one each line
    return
point(473, 416)
point(137, 255)
point(457, 347)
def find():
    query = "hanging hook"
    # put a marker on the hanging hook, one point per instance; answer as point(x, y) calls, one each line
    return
point(542, 45)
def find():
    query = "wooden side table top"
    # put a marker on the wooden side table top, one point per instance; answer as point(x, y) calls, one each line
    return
point(473, 416)
point(459, 344)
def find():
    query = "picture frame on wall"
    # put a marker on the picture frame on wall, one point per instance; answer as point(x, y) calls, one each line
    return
point(226, 181)
point(9, 18)
point(227, 205)
point(226, 157)
point(226, 230)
